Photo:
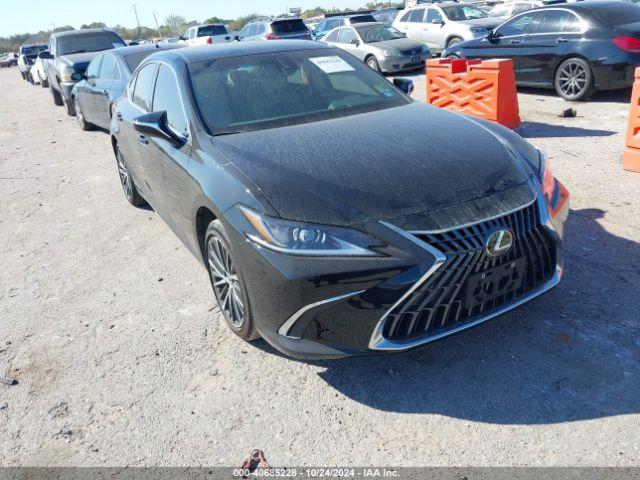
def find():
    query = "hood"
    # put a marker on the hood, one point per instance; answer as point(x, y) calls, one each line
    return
point(79, 61)
point(400, 44)
point(390, 164)
point(489, 23)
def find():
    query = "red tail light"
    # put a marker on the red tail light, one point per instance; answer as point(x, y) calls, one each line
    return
point(272, 36)
point(628, 44)
point(209, 41)
point(307, 35)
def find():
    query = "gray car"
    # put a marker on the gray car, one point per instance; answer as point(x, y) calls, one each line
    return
point(441, 25)
point(382, 48)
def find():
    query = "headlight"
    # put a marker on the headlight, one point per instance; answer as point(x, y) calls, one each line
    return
point(390, 53)
point(66, 73)
point(555, 193)
point(297, 238)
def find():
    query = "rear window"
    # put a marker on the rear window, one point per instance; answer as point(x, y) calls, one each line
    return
point(362, 19)
point(33, 50)
point(136, 59)
point(618, 14)
point(288, 26)
point(88, 42)
point(212, 30)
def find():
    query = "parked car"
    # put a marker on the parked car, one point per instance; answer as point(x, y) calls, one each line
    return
point(442, 25)
point(69, 55)
point(509, 9)
point(382, 48)
point(333, 238)
point(386, 15)
point(267, 29)
point(206, 35)
point(332, 22)
point(39, 71)
point(9, 60)
point(27, 57)
point(105, 80)
point(576, 48)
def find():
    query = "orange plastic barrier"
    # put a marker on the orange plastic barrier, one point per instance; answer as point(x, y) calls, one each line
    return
point(631, 155)
point(483, 89)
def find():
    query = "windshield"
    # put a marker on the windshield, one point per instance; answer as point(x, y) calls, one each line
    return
point(362, 19)
point(88, 42)
point(618, 14)
point(33, 50)
point(457, 13)
point(379, 33)
point(212, 30)
point(256, 92)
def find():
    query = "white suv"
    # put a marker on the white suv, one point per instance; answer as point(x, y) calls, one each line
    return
point(206, 35)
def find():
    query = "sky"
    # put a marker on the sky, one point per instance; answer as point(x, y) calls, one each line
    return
point(34, 15)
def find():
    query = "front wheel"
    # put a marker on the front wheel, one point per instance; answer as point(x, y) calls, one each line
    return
point(574, 80)
point(128, 187)
point(228, 283)
point(453, 41)
point(372, 63)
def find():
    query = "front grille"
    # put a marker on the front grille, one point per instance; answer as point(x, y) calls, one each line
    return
point(446, 300)
point(414, 51)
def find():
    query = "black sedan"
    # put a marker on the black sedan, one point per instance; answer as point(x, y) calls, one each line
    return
point(105, 80)
point(278, 165)
point(575, 48)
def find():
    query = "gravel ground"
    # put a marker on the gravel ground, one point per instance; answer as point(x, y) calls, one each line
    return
point(122, 358)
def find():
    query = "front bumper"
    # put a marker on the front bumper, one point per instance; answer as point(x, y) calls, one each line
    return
point(403, 62)
point(336, 307)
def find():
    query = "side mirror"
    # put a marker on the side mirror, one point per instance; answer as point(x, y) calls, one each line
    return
point(181, 38)
point(46, 55)
point(492, 36)
point(154, 124)
point(355, 42)
point(404, 84)
point(237, 38)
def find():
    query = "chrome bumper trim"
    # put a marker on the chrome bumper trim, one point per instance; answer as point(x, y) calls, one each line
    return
point(286, 327)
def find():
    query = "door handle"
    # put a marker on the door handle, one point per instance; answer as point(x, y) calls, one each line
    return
point(562, 40)
point(119, 116)
point(514, 42)
point(143, 140)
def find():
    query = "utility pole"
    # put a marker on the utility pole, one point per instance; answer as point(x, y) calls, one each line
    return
point(157, 24)
point(137, 19)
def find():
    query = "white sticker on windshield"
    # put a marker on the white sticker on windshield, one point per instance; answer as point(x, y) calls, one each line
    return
point(332, 64)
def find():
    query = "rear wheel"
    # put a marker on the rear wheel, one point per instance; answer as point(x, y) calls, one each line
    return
point(372, 63)
point(227, 282)
point(57, 98)
point(128, 187)
point(574, 80)
point(84, 125)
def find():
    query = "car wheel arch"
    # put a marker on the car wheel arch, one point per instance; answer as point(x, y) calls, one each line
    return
point(204, 216)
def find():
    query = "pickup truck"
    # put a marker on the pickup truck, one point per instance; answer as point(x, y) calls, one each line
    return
point(69, 55)
point(206, 35)
point(27, 57)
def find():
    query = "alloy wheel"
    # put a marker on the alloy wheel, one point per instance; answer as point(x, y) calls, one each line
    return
point(125, 177)
point(572, 79)
point(226, 284)
point(79, 114)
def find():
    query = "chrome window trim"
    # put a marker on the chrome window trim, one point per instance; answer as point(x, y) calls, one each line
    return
point(286, 327)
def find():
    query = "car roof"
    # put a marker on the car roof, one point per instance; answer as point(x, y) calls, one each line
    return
point(82, 31)
point(235, 49)
point(147, 47)
point(365, 24)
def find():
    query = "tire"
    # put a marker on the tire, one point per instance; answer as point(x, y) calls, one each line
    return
point(44, 83)
point(453, 41)
point(126, 182)
point(68, 106)
point(228, 283)
point(57, 98)
point(372, 63)
point(573, 80)
point(84, 125)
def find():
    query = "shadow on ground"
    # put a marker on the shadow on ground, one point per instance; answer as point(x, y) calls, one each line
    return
point(611, 96)
point(545, 130)
point(573, 354)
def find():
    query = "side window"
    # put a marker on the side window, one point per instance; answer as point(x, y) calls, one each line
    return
point(109, 70)
point(333, 36)
point(144, 87)
point(405, 17)
point(553, 21)
point(517, 26)
point(433, 16)
point(331, 24)
point(347, 35)
point(192, 33)
point(416, 15)
point(252, 30)
point(167, 98)
point(260, 29)
point(573, 24)
point(93, 70)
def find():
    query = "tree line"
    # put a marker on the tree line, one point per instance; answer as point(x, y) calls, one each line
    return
point(173, 25)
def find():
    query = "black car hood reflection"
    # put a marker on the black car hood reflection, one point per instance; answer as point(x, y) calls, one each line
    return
point(388, 164)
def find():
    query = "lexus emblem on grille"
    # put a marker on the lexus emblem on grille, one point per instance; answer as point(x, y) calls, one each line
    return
point(499, 242)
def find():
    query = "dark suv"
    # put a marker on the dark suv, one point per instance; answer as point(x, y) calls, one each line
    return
point(269, 29)
point(69, 55)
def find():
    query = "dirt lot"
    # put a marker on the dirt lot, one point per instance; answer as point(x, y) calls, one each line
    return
point(110, 328)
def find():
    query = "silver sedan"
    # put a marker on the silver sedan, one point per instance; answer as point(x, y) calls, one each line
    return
point(382, 48)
